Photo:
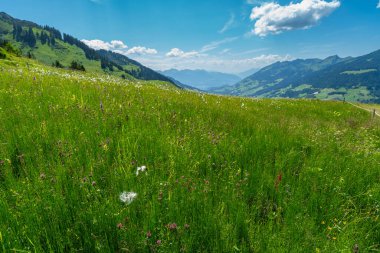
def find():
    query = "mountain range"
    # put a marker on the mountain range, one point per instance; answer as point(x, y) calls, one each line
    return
point(201, 79)
point(351, 78)
point(49, 46)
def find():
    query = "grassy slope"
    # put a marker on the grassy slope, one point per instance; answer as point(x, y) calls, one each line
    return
point(212, 163)
point(63, 52)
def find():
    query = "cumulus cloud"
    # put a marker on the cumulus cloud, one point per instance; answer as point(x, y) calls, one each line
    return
point(273, 18)
point(141, 51)
point(119, 47)
point(178, 53)
point(109, 46)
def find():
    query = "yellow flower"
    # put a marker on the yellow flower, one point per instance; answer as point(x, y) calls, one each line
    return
point(323, 222)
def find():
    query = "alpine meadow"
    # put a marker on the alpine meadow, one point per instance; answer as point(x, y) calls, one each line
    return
point(102, 153)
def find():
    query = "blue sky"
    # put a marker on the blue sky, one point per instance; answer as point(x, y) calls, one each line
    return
point(222, 35)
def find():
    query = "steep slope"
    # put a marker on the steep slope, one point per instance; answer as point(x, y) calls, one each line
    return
point(202, 79)
point(49, 46)
point(354, 79)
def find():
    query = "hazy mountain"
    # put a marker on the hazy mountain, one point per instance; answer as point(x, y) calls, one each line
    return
point(202, 79)
point(51, 47)
point(349, 78)
point(247, 73)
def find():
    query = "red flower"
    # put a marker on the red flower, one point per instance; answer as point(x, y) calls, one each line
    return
point(278, 181)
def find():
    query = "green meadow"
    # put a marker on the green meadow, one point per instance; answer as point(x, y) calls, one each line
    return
point(223, 174)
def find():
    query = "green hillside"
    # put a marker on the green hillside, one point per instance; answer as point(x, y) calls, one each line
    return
point(48, 46)
point(224, 174)
point(353, 79)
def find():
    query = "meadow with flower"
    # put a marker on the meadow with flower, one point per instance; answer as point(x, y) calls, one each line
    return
point(93, 163)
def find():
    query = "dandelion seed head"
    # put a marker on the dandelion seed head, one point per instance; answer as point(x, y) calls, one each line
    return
point(127, 197)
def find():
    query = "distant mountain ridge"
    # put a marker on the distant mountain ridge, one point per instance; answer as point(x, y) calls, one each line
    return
point(202, 79)
point(355, 79)
point(49, 46)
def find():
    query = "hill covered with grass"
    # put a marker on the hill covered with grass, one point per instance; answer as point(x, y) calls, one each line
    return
point(353, 78)
point(50, 47)
point(93, 163)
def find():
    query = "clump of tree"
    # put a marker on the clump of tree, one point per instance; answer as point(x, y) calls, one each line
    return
point(26, 36)
point(10, 48)
point(75, 65)
point(57, 64)
point(54, 33)
point(2, 55)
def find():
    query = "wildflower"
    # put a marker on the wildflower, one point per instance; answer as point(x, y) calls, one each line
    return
point(148, 234)
point(127, 197)
point(119, 226)
point(42, 176)
point(140, 169)
point(172, 226)
point(158, 242)
point(187, 226)
point(278, 181)
point(93, 183)
point(160, 196)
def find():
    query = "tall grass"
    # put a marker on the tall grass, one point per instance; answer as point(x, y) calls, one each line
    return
point(223, 174)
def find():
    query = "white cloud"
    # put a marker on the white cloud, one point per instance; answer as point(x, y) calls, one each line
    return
point(109, 46)
point(228, 25)
point(119, 47)
point(141, 51)
point(178, 53)
point(378, 5)
point(212, 63)
point(215, 44)
point(255, 2)
point(273, 18)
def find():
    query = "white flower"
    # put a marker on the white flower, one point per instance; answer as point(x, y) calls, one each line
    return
point(127, 197)
point(140, 169)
